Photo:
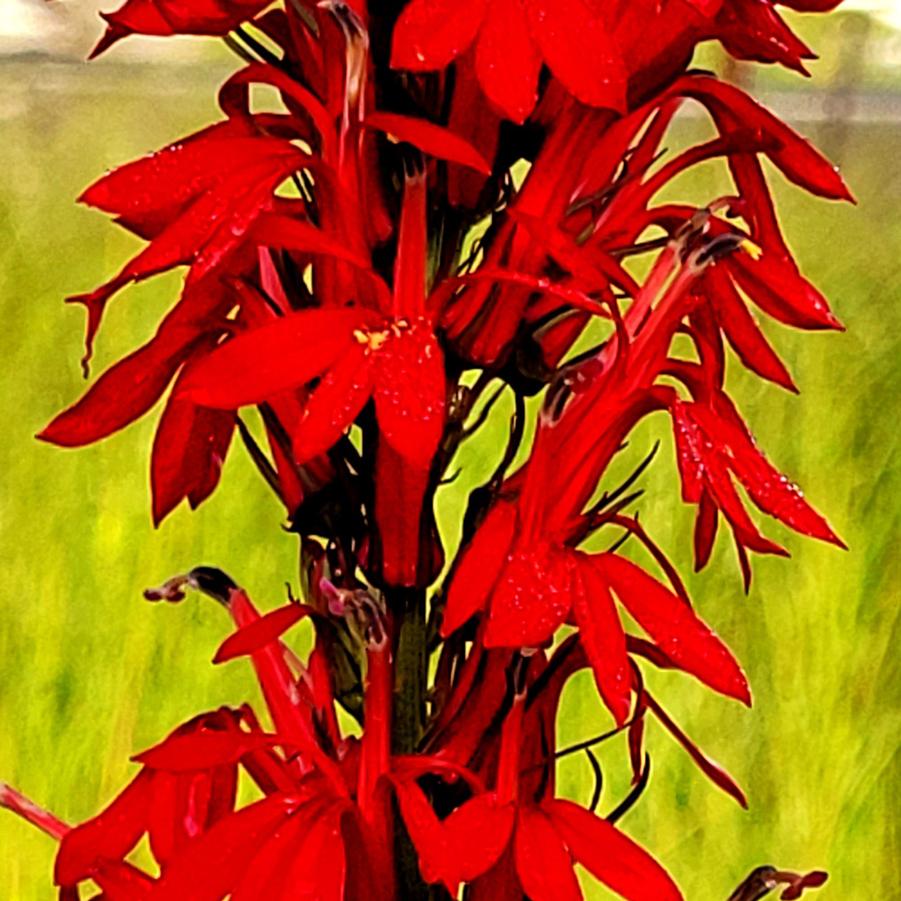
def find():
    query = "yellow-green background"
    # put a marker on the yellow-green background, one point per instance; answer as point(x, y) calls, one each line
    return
point(89, 673)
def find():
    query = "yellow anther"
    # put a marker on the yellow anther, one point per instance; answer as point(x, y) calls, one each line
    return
point(377, 339)
point(754, 251)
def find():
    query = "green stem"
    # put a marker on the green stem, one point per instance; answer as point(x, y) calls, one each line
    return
point(410, 675)
point(410, 668)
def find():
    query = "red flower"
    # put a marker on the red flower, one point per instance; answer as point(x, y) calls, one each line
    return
point(363, 268)
point(513, 38)
point(512, 842)
point(389, 353)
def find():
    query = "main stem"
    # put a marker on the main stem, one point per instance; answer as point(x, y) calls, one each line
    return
point(410, 683)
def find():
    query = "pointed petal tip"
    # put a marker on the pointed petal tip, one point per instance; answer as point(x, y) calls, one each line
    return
point(53, 434)
point(112, 35)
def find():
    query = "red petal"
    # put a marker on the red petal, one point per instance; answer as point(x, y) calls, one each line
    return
point(480, 566)
point(258, 634)
point(411, 393)
point(602, 637)
point(147, 194)
point(334, 404)
point(266, 875)
point(743, 333)
point(288, 233)
point(123, 882)
point(284, 697)
point(234, 96)
point(399, 493)
point(424, 829)
point(202, 750)
point(206, 233)
point(318, 868)
point(500, 883)
point(770, 490)
point(709, 767)
point(133, 17)
point(798, 159)
point(431, 33)
point(186, 804)
point(477, 833)
point(412, 251)
point(127, 390)
point(167, 17)
point(284, 354)
point(684, 638)
point(433, 140)
point(210, 867)
point(778, 288)
point(705, 468)
point(507, 60)
point(705, 530)
point(609, 855)
point(189, 449)
point(108, 836)
point(543, 863)
point(532, 598)
point(579, 50)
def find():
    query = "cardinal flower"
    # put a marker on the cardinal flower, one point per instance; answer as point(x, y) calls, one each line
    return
point(509, 840)
point(389, 354)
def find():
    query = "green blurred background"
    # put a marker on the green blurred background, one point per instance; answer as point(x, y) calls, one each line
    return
point(90, 674)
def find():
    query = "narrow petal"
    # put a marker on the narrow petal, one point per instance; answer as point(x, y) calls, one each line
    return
point(285, 354)
point(770, 490)
point(543, 863)
point(507, 60)
point(682, 636)
point(334, 404)
point(433, 140)
point(258, 634)
point(609, 855)
point(775, 285)
point(168, 17)
point(743, 333)
point(202, 749)
point(480, 567)
point(210, 868)
point(477, 833)
point(431, 33)
point(579, 50)
point(532, 598)
point(411, 393)
point(287, 233)
point(602, 637)
point(110, 835)
point(148, 194)
point(705, 530)
point(796, 157)
point(123, 393)
point(189, 449)
point(711, 769)
point(412, 251)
